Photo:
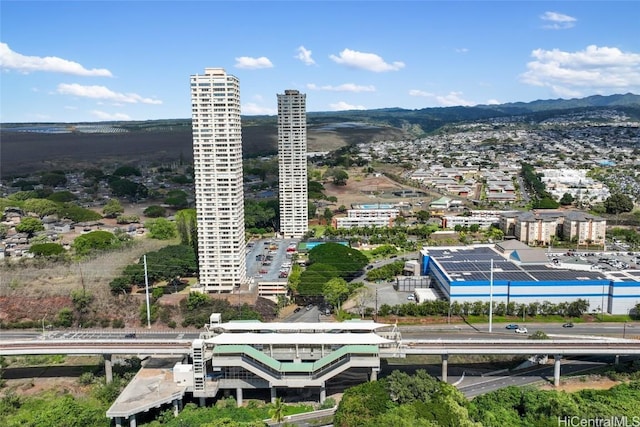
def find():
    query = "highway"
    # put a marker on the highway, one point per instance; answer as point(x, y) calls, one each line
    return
point(439, 331)
point(473, 386)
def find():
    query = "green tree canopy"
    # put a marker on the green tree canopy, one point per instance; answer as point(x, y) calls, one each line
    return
point(339, 176)
point(77, 213)
point(125, 171)
point(347, 261)
point(335, 291)
point(261, 214)
point(40, 207)
point(4, 229)
point(46, 249)
point(618, 203)
point(122, 187)
point(112, 208)
point(98, 240)
point(155, 211)
point(161, 228)
point(186, 224)
point(30, 226)
point(94, 174)
point(361, 404)
point(566, 199)
point(177, 199)
point(53, 179)
point(62, 197)
point(313, 279)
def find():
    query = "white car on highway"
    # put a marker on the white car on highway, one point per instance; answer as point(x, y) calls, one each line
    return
point(521, 330)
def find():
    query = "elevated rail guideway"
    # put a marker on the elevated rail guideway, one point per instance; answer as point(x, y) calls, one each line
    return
point(245, 355)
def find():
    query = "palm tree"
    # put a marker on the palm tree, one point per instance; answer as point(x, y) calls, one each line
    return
point(277, 410)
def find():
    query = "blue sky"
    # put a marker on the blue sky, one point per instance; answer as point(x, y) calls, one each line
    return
point(131, 60)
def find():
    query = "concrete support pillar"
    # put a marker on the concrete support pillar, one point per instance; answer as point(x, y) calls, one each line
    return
point(274, 395)
point(556, 369)
point(177, 406)
point(323, 393)
point(239, 396)
point(202, 402)
point(108, 368)
point(445, 367)
point(132, 421)
point(118, 421)
point(374, 375)
point(616, 361)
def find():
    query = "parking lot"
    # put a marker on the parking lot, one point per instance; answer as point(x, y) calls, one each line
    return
point(604, 261)
point(268, 259)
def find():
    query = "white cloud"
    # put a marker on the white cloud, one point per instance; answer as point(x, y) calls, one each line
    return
point(452, 99)
point(462, 50)
point(345, 87)
point(11, 60)
point(557, 21)
point(304, 55)
point(250, 63)
point(449, 100)
point(252, 108)
point(339, 106)
point(600, 69)
point(418, 92)
point(365, 61)
point(101, 115)
point(102, 92)
point(493, 102)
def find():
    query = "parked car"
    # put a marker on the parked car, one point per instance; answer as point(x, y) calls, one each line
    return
point(568, 325)
point(411, 297)
point(297, 309)
point(130, 335)
point(512, 326)
point(309, 307)
point(521, 331)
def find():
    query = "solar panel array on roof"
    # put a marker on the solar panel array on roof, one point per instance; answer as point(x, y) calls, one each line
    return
point(475, 265)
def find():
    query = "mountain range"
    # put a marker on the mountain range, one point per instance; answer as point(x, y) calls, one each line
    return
point(32, 146)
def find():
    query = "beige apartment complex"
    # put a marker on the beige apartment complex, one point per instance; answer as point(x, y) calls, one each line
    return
point(541, 228)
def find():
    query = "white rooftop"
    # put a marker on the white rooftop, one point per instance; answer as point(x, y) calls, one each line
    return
point(256, 325)
point(291, 339)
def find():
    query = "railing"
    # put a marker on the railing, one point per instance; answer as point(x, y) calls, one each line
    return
point(283, 370)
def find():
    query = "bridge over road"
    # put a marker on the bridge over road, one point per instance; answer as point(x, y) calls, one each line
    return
point(443, 347)
point(557, 348)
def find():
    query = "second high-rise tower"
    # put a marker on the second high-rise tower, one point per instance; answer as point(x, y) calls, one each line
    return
point(292, 164)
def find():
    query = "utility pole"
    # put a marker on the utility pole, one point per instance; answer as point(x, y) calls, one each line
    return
point(376, 312)
point(45, 316)
point(146, 284)
point(491, 298)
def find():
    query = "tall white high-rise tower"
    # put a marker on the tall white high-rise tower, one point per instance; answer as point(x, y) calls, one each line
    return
point(217, 159)
point(292, 164)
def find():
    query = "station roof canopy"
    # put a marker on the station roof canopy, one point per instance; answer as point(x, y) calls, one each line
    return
point(291, 339)
point(293, 327)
